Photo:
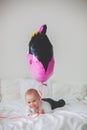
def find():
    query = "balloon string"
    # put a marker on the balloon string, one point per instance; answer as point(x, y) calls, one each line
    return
point(6, 117)
point(40, 92)
point(18, 117)
point(40, 89)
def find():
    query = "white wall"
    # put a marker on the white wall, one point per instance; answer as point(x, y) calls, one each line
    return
point(67, 30)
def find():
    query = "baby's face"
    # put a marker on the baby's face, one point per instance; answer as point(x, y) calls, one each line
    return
point(33, 101)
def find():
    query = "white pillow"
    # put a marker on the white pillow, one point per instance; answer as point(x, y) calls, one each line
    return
point(10, 90)
point(45, 91)
point(0, 90)
point(15, 89)
point(69, 91)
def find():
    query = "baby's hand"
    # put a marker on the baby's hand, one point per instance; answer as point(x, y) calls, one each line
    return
point(40, 112)
point(33, 114)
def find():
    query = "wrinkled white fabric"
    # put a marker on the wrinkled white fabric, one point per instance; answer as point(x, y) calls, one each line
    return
point(71, 117)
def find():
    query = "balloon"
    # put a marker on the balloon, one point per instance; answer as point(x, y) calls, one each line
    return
point(40, 56)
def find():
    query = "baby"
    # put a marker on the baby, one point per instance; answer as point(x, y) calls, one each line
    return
point(36, 105)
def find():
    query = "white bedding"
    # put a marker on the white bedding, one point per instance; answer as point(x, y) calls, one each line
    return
point(73, 116)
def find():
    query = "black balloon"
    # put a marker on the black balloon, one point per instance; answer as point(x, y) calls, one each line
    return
point(41, 47)
point(40, 57)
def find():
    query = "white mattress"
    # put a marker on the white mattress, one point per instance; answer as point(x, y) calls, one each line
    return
point(73, 116)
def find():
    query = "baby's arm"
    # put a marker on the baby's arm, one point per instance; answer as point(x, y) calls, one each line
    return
point(36, 113)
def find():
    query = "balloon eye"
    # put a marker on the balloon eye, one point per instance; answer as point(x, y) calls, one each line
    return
point(30, 61)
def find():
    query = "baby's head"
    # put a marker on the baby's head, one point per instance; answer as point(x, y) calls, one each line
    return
point(33, 98)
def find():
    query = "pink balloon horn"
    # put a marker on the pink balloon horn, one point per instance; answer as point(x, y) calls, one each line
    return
point(43, 29)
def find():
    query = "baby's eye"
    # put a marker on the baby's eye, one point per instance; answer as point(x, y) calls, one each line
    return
point(34, 100)
point(28, 102)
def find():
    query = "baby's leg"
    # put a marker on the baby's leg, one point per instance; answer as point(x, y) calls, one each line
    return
point(55, 104)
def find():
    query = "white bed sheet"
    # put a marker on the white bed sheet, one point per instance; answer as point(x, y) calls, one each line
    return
point(73, 116)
